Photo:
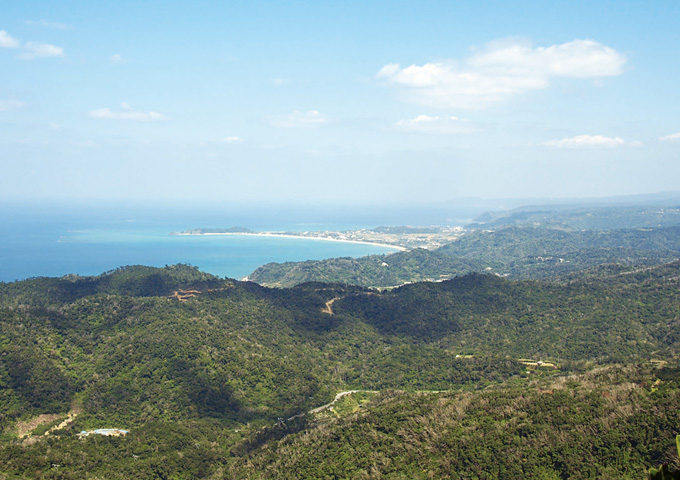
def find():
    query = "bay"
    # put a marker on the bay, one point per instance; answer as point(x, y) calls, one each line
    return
point(55, 242)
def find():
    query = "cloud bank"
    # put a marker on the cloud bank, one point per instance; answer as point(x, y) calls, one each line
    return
point(37, 50)
point(589, 141)
point(126, 113)
point(436, 125)
point(47, 24)
point(501, 70)
point(673, 137)
point(7, 40)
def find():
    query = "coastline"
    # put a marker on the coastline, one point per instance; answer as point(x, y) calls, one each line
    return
point(305, 237)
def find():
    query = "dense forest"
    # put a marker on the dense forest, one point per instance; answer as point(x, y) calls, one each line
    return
point(602, 424)
point(213, 377)
point(369, 271)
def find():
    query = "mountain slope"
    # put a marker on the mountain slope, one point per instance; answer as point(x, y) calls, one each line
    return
point(373, 270)
point(602, 424)
point(195, 377)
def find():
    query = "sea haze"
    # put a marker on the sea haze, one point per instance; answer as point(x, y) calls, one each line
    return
point(51, 241)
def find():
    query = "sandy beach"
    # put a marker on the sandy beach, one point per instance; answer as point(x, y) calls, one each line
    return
point(283, 235)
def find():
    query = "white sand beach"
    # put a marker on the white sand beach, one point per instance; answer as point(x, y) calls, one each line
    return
point(306, 237)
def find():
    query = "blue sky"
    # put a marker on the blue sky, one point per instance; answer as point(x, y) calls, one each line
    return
point(337, 102)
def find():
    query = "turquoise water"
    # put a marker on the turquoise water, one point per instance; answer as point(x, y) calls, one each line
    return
point(55, 243)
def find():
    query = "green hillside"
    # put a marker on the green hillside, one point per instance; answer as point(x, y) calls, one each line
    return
point(602, 424)
point(372, 270)
point(537, 252)
point(517, 251)
point(195, 366)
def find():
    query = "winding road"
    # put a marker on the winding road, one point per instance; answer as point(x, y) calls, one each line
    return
point(329, 405)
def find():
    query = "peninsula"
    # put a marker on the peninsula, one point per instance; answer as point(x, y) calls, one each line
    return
point(399, 238)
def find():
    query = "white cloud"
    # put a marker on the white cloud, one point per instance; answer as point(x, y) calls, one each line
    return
point(588, 141)
point(126, 114)
point(436, 125)
point(34, 50)
point(232, 139)
point(47, 24)
point(6, 105)
point(670, 138)
point(500, 71)
point(7, 40)
point(310, 119)
point(117, 59)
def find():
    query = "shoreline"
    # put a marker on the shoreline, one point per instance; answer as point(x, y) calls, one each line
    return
point(305, 237)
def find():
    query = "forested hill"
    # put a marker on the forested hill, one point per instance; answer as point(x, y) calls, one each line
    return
point(538, 252)
point(606, 423)
point(605, 217)
point(193, 365)
point(370, 271)
point(515, 251)
point(135, 281)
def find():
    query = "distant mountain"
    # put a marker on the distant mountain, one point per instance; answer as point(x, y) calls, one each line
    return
point(583, 218)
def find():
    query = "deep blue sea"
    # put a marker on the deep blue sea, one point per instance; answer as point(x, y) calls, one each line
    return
point(58, 240)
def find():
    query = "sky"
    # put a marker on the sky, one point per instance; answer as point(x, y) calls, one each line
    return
point(352, 102)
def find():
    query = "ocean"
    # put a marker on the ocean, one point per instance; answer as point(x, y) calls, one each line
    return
point(57, 240)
